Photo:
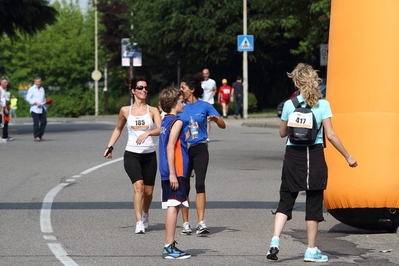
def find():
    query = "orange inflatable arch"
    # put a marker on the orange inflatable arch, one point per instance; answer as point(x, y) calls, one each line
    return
point(363, 89)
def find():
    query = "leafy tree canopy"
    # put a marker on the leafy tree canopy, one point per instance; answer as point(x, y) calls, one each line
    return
point(176, 36)
point(62, 55)
point(205, 30)
point(192, 34)
point(25, 16)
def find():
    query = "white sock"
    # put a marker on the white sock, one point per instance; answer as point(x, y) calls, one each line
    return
point(313, 250)
point(167, 245)
point(275, 238)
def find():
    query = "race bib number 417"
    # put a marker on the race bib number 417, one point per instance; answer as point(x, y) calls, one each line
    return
point(302, 120)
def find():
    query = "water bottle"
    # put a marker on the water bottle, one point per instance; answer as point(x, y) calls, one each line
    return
point(193, 128)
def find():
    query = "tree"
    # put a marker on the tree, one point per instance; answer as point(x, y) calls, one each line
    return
point(116, 26)
point(25, 16)
point(62, 54)
point(192, 34)
point(173, 34)
point(202, 33)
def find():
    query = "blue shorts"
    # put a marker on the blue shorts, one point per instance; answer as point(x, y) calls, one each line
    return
point(174, 198)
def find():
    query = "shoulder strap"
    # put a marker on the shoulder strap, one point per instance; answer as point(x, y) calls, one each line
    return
point(295, 102)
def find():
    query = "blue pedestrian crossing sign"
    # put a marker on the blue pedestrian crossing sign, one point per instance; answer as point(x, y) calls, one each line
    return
point(245, 43)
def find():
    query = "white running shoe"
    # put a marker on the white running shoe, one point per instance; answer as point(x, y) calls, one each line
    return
point(140, 228)
point(145, 217)
point(202, 228)
point(186, 229)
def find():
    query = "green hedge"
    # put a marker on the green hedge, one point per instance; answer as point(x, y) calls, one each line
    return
point(252, 105)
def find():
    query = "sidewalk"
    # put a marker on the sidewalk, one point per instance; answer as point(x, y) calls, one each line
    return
point(269, 121)
point(28, 120)
point(252, 121)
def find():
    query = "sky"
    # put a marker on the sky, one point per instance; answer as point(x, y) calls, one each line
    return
point(82, 3)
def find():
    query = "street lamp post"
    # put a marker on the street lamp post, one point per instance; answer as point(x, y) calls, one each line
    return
point(245, 64)
point(96, 74)
point(106, 88)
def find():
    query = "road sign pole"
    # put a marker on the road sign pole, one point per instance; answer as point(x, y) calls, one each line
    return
point(245, 64)
point(96, 61)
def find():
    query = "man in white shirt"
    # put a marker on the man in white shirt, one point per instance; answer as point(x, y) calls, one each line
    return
point(1, 107)
point(209, 86)
point(36, 97)
point(4, 119)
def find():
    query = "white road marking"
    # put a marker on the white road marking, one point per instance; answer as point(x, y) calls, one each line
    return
point(45, 217)
point(101, 165)
point(61, 254)
point(45, 213)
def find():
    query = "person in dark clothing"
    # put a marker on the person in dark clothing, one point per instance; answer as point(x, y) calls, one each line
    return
point(238, 92)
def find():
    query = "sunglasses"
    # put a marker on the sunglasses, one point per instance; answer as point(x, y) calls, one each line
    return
point(142, 87)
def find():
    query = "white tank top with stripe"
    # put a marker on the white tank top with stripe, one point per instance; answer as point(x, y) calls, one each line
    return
point(137, 125)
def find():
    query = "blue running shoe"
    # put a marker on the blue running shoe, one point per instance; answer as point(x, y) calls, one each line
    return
point(274, 249)
point(172, 252)
point(316, 257)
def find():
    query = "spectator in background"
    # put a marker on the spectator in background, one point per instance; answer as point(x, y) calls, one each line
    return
point(13, 106)
point(209, 87)
point(4, 110)
point(238, 92)
point(36, 97)
point(224, 97)
point(2, 105)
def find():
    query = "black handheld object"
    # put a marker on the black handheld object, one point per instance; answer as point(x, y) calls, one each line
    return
point(110, 148)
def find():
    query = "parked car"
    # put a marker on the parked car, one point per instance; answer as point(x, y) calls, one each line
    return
point(280, 106)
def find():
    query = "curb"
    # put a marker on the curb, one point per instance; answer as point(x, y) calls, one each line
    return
point(260, 124)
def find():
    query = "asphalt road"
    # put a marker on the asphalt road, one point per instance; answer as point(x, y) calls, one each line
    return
point(62, 203)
